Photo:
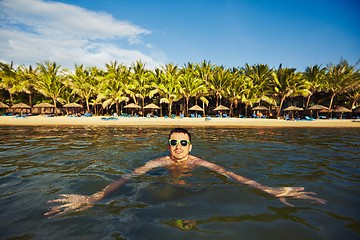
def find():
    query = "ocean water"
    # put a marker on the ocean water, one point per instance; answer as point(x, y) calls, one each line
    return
point(40, 163)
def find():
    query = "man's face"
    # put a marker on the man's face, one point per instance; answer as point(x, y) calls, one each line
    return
point(179, 152)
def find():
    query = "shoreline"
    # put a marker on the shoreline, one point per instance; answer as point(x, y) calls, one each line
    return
point(184, 122)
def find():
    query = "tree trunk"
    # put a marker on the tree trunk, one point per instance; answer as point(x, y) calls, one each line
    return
point(87, 105)
point(142, 105)
point(54, 100)
point(203, 108)
point(187, 106)
point(11, 98)
point(231, 108)
point(246, 109)
point(117, 107)
point(169, 108)
point(30, 99)
point(280, 107)
point(331, 102)
point(308, 101)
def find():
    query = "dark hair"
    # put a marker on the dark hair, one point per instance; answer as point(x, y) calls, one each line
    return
point(180, 130)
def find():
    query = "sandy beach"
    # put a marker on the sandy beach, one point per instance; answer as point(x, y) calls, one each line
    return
point(160, 122)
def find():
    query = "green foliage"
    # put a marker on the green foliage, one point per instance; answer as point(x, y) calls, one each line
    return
point(242, 88)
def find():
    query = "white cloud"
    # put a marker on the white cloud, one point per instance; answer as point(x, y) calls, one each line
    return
point(67, 34)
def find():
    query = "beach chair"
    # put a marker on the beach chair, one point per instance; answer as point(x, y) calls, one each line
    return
point(109, 118)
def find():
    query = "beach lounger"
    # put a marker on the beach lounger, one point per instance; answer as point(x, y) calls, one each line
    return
point(109, 118)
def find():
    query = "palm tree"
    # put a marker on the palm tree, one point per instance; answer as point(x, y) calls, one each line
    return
point(51, 80)
point(220, 82)
point(95, 102)
point(191, 85)
point(315, 76)
point(85, 83)
point(114, 88)
point(68, 95)
point(255, 85)
point(8, 79)
point(169, 87)
point(27, 81)
point(340, 78)
point(205, 71)
point(232, 92)
point(287, 82)
point(354, 96)
point(140, 82)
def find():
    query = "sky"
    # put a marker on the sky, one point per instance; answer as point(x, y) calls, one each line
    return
point(231, 33)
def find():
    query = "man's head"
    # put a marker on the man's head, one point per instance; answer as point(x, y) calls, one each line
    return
point(179, 143)
point(180, 130)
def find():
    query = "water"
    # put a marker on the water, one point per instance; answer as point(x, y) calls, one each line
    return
point(39, 163)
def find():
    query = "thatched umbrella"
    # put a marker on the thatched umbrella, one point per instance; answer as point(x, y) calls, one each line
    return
point(3, 105)
point(132, 106)
point(341, 110)
point(152, 107)
point(260, 108)
point(21, 106)
point(221, 108)
point(44, 106)
point(72, 106)
point(357, 109)
point(318, 108)
point(196, 108)
point(293, 109)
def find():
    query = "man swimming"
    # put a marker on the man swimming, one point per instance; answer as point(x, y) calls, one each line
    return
point(178, 161)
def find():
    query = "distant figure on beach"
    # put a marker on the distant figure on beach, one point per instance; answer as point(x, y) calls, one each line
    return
point(179, 162)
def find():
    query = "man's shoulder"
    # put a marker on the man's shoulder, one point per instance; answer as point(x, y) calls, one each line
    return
point(197, 160)
point(160, 161)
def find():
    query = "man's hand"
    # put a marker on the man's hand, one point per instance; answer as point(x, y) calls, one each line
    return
point(293, 192)
point(72, 203)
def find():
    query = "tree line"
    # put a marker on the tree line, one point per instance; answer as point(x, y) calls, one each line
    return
point(107, 90)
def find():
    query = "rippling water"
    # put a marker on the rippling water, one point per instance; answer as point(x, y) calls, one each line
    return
point(39, 163)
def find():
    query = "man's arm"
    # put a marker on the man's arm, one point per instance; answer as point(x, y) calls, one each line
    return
point(77, 203)
point(112, 187)
point(281, 192)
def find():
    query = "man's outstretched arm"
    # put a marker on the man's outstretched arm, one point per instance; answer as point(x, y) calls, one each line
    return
point(280, 192)
point(77, 203)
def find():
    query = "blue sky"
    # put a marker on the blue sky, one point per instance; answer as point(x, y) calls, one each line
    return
point(225, 32)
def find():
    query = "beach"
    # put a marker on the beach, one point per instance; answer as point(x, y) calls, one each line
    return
point(184, 122)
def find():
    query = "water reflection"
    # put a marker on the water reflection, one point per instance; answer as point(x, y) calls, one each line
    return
point(39, 163)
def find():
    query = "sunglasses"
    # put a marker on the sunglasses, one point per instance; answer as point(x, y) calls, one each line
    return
point(174, 142)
